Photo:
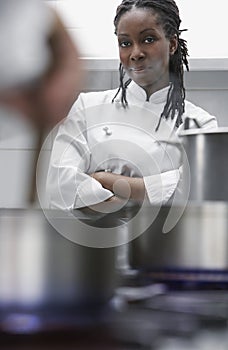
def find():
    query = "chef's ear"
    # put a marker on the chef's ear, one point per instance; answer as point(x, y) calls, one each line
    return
point(173, 43)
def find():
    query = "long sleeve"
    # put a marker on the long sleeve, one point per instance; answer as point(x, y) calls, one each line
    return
point(161, 187)
point(69, 186)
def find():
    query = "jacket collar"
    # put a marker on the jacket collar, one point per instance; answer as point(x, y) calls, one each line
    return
point(139, 93)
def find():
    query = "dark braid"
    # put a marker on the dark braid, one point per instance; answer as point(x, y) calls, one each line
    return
point(123, 86)
point(168, 16)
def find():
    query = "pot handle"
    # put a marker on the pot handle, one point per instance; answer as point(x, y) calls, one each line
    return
point(187, 123)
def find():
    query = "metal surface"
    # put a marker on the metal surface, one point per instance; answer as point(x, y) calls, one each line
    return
point(145, 317)
point(207, 157)
point(199, 241)
point(40, 268)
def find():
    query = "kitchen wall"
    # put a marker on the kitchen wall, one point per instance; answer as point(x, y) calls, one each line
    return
point(91, 24)
point(206, 85)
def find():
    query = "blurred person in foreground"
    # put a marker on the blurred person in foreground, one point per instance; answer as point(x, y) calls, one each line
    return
point(40, 71)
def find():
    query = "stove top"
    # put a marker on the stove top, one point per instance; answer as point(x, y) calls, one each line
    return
point(149, 316)
point(159, 318)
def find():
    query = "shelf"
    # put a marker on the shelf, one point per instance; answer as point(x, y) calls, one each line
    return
point(196, 64)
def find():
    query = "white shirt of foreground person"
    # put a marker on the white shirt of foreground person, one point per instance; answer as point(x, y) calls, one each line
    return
point(100, 135)
point(24, 27)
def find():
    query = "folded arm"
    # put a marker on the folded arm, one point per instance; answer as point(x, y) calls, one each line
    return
point(156, 189)
point(123, 186)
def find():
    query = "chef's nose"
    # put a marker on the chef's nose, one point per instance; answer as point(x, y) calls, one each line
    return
point(137, 53)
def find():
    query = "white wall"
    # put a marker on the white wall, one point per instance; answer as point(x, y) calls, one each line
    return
point(91, 24)
point(206, 23)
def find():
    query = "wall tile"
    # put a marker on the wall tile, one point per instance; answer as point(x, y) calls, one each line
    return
point(99, 14)
point(206, 80)
point(98, 81)
point(94, 43)
point(213, 101)
point(88, 14)
point(17, 133)
point(15, 177)
point(93, 24)
point(115, 79)
point(68, 10)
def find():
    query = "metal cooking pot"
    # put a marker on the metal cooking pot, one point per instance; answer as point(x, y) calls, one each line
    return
point(199, 241)
point(206, 152)
point(41, 268)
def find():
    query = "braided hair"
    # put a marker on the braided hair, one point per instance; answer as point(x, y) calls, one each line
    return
point(168, 17)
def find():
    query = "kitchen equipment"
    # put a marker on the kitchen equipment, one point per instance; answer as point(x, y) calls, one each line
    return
point(151, 316)
point(195, 250)
point(40, 269)
point(207, 161)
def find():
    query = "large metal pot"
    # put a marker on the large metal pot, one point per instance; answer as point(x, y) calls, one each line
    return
point(40, 268)
point(207, 161)
point(199, 241)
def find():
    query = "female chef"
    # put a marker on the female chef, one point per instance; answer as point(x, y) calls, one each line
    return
point(108, 149)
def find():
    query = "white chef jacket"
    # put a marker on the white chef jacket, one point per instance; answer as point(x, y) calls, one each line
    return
point(99, 135)
point(25, 26)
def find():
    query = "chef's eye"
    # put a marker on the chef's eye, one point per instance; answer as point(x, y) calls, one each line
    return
point(149, 39)
point(124, 43)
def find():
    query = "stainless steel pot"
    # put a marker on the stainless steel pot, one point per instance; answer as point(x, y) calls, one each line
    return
point(207, 159)
point(199, 241)
point(40, 268)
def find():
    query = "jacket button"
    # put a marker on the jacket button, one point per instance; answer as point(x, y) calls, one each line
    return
point(107, 131)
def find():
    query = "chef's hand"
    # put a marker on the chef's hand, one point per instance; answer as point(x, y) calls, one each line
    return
point(48, 100)
point(125, 187)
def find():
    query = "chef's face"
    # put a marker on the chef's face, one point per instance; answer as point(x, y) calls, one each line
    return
point(144, 49)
